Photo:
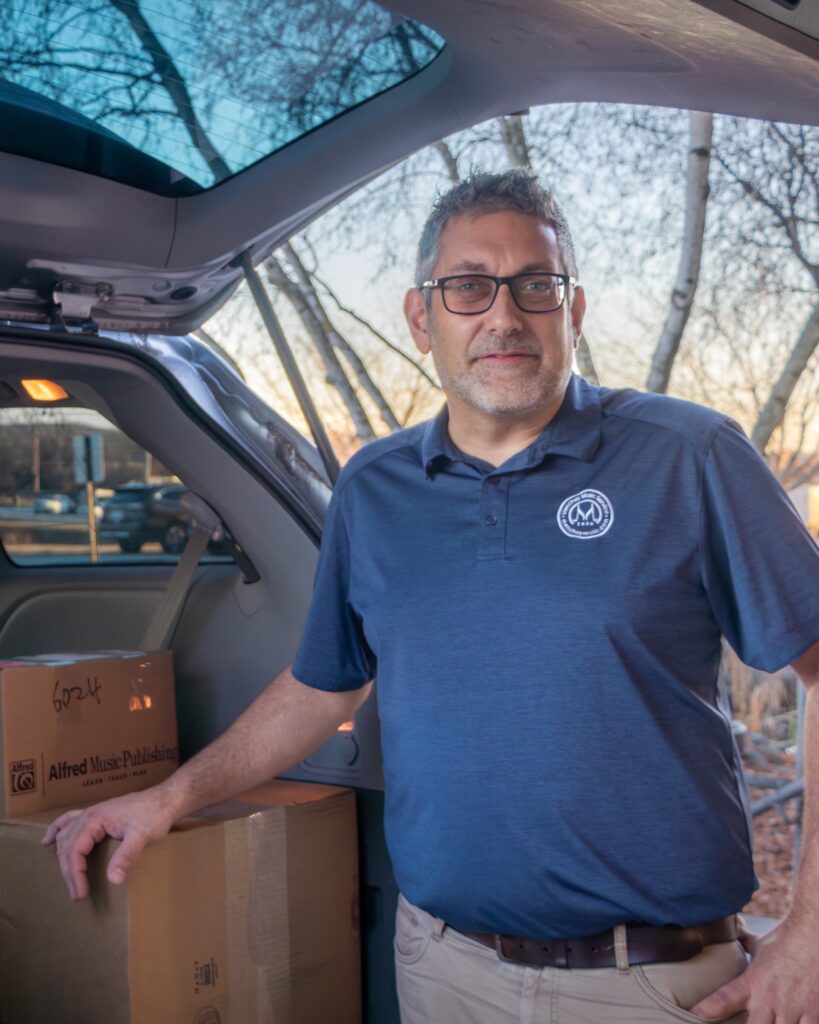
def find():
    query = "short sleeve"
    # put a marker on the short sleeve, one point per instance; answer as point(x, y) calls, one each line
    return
point(333, 653)
point(760, 564)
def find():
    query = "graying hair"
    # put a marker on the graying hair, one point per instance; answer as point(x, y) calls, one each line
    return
point(517, 190)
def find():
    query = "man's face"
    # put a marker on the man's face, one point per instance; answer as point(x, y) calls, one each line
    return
point(504, 362)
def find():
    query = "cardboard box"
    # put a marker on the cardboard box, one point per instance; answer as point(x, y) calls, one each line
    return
point(80, 728)
point(246, 913)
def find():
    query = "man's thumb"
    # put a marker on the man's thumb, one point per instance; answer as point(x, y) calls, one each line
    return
point(729, 999)
point(123, 857)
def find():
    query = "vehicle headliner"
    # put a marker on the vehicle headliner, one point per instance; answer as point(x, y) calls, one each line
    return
point(65, 230)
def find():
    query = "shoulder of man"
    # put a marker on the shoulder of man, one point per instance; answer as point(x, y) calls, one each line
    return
point(694, 423)
point(372, 453)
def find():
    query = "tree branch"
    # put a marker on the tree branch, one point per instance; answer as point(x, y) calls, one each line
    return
point(338, 340)
point(173, 83)
point(375, 332)
point(786, 223)
point(335, 371)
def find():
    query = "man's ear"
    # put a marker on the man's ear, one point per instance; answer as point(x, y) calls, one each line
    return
point(417, 312)
point(577, 312)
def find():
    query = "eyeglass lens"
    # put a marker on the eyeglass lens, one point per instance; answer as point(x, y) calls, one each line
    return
point(534, 293)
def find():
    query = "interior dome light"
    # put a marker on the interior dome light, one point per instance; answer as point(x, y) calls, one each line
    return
point(44, 390)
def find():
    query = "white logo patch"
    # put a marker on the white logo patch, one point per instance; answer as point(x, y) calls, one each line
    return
point(584, 515)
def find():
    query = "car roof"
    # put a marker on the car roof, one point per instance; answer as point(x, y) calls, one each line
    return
point(132, 259)
point(137, 485)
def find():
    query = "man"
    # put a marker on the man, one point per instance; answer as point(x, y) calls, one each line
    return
point(542, 575)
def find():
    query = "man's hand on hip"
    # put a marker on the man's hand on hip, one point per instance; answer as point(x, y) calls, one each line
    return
point(136, 819)
point(781, 985)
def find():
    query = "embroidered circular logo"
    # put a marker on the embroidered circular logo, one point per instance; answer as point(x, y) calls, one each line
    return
point(584, 515)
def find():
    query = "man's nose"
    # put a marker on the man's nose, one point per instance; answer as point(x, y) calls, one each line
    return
point(504, 314)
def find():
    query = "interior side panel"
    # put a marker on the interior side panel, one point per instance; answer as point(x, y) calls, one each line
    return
point(40, 616)
point(232, 641)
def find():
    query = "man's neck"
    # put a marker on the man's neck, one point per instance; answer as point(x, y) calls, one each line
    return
point(492, 438)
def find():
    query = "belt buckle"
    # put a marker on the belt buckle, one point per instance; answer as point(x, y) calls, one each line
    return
point(554, 953)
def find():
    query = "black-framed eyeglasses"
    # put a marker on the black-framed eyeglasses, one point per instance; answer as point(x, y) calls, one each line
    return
point(471, 294)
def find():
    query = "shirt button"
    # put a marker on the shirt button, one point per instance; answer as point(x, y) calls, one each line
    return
point(491, 520)
point(494, 480)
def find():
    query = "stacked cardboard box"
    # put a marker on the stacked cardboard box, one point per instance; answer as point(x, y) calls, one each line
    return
point(246, 913)
point(82, 728)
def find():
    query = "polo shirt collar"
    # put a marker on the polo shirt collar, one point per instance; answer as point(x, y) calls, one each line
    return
point(574, 432)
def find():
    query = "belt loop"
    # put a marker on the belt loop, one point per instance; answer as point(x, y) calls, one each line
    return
point(438, 930)
point(621, 949)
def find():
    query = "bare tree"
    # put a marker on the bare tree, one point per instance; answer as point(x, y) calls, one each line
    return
point(773, 412)
point(449, 159)
point(688, 271)
point(513, 136)
point(318, 329)
point(767, 202)
point(748, 335)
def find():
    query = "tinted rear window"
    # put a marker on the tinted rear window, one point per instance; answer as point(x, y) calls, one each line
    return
point(178, 95)
point(125, 496)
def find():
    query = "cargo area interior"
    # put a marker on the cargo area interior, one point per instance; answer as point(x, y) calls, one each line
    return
point(232, 637)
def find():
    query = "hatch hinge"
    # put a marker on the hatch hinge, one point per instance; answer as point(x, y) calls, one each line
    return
point(72, 305)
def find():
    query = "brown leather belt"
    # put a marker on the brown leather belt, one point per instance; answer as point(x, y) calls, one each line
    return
point(646, 945)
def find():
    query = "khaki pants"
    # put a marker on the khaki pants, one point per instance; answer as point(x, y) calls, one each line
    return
point(443, 977)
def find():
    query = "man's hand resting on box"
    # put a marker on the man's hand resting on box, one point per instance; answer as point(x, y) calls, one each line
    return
point(136, 819)
point(283, 726)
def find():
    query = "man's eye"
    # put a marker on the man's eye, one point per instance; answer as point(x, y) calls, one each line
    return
point(468, 286)
point(537, 286)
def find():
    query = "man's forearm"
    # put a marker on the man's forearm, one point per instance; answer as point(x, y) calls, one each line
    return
point(283, 726)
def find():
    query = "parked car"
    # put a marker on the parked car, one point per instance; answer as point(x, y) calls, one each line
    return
point(138, 513)
point(120, 235)
point(55, 504)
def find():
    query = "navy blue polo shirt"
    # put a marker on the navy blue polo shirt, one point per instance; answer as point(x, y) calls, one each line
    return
point(546, 636)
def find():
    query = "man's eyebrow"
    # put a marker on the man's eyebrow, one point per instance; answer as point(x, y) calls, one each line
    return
point(471, 267)
point(468, 266)
point(539, 266)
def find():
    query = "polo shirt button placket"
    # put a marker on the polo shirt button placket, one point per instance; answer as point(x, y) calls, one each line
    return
point(492, 538)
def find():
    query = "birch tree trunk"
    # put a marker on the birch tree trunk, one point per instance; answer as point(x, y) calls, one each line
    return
point(774, 409)
point(513, 136)
point(335, 371)
point(585, 363)
point(338, 340)
point(450, 161)
point(688, 271)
